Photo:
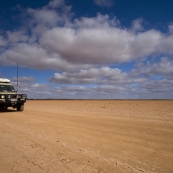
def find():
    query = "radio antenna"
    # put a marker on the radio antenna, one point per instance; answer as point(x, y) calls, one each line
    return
point(17, 77)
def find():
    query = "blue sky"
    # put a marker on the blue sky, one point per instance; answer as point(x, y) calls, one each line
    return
point(94, 49)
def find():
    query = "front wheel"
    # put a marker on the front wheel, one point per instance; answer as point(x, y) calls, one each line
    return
point(3, 108)
point(20, 108)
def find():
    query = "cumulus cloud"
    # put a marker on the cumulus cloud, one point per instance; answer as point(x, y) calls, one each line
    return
point(17, 36)
point(137, 25)
point(3, 42)
point(82, 42)
point(44, 16)
point(37, 57)
point(55, 13)
point(56, 3)
point(91, 46)
point(162, 68)
point(97, 41)
point(24, 79)
point(104, 3)
point(103, 75)
point(81, 52)
point(23, 84)
point(170, 27)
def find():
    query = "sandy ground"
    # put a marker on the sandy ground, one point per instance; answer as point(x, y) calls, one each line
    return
point(88, 136)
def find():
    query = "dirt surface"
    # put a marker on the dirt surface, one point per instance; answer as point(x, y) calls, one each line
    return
point(88, 136)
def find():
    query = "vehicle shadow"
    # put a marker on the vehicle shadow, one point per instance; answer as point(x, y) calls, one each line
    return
point(8, 110)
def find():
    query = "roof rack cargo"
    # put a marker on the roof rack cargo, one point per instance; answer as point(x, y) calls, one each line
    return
point(3, 80)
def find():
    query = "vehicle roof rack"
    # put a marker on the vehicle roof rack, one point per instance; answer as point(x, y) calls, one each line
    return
point(3, 80)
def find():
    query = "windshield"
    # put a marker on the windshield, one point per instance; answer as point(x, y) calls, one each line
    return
point(6, 88)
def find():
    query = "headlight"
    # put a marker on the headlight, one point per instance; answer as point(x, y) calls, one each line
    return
point(2, 96)
point(18, 96)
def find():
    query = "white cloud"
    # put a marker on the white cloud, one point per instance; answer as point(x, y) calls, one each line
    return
point(99, 40)
point(24, 79)
point(170, 27)
point(56, 3)
point(55, 13)
point(95, 41)
point(24, 82)
point(45, 16)
point(103, 75)
point(81, 51)
point(159, 89)
point(104, 3)
point(34, 56)
point(163, 68)
point(137, 25)
point(166, 45)
point(125, 86)
point(99, 76)
point(17, 36)
point(3, 42)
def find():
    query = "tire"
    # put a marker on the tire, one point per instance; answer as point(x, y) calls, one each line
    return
point(20, 108)
point(5, 108)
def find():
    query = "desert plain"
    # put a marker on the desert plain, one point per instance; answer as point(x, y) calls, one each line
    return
point(90, 136)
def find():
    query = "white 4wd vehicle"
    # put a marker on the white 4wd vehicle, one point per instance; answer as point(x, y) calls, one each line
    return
point(9, 97)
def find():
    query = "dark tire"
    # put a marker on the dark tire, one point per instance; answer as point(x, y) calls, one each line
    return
point(20, 108)
point(5, 108)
